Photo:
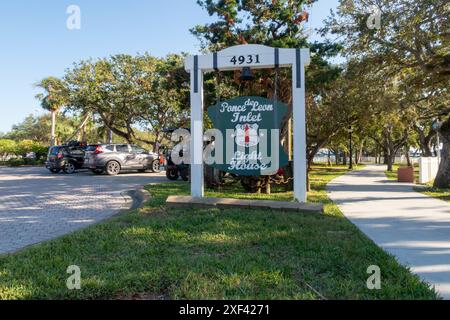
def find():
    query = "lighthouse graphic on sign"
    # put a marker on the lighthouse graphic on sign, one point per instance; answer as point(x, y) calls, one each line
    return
point(247, 135)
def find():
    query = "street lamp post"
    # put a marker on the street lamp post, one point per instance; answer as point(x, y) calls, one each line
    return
point(350, 132)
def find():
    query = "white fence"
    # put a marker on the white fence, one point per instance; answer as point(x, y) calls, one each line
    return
point(428, 169)
point(398, 160)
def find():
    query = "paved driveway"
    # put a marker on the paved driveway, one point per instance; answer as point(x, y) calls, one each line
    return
point(36, 205)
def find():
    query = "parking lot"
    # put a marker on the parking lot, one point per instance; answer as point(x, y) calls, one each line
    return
point(36, 205)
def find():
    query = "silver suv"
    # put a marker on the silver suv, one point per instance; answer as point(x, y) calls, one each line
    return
point(113, 158)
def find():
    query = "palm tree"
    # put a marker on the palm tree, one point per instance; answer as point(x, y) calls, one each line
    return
point(55, 97)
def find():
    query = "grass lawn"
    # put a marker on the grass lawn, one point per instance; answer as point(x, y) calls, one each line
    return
point(158, 253)
point(429, 190)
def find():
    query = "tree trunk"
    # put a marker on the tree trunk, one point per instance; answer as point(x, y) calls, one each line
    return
point(308, 182)
point(390, 162)
point(267, 188)
point(110, 136)
point(408, 158)
point(344, 159)
point(212, 177)
point(385, 155)
point(389, 154)
point(52, 134)
point(80, 133)
point(156, 145)
point(313, 151)
point(377, 151)
point(310, 162)
point(425, 141)
point(443, 177)
point(358, 154)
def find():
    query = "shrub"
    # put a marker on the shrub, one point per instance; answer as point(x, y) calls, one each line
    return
point(17, 162)
point(40, 151)
point(7, 148)
point(18, 150)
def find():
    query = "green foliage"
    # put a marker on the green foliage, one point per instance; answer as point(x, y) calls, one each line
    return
point(56, 93)
point(37, 128)
point(125, 91)
point(169, 93)
point(400, 70)
point(412, 38)
point(16, 150)
point(275, 23)
point(7, 147)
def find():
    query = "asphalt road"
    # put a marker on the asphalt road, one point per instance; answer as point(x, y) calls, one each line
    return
point(36, 205)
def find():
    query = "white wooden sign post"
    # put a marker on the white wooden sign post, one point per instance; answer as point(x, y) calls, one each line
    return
point(255, 57)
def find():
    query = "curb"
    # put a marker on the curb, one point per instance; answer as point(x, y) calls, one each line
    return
point(138, 197)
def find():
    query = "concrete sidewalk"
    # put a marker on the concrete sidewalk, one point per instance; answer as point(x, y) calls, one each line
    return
point(412, 226)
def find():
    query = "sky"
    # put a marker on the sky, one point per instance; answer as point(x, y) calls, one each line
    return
point(35, 41)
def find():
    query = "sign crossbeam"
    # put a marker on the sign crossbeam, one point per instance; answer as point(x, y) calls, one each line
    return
point(256, 57)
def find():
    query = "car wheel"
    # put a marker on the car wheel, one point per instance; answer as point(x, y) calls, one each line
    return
point(97, 171)
point(172, 174)
point(156, 168)
point(69, 168)
point(184, 173)
point(112, 168)
point(55, 170)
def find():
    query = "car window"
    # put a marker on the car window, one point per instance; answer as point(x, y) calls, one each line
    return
point(122, 148)
point(110, 148)
point(136, 149)
point(91, 148)
point(53, 151)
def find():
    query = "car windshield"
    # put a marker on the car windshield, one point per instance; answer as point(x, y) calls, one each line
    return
point(54, 150)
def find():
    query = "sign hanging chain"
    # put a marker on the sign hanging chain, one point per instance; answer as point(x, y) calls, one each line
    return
point(275, 93)
point(218, 76)
point(218, 82)
point(277, 70)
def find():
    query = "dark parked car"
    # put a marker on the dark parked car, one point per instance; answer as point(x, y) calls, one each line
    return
point(67, 158)
point(113, 158)
point(174, 171)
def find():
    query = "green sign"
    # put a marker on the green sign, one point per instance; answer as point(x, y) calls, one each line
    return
point(249, 130)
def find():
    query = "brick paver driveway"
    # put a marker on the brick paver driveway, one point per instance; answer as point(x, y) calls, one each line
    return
point(36, 205)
